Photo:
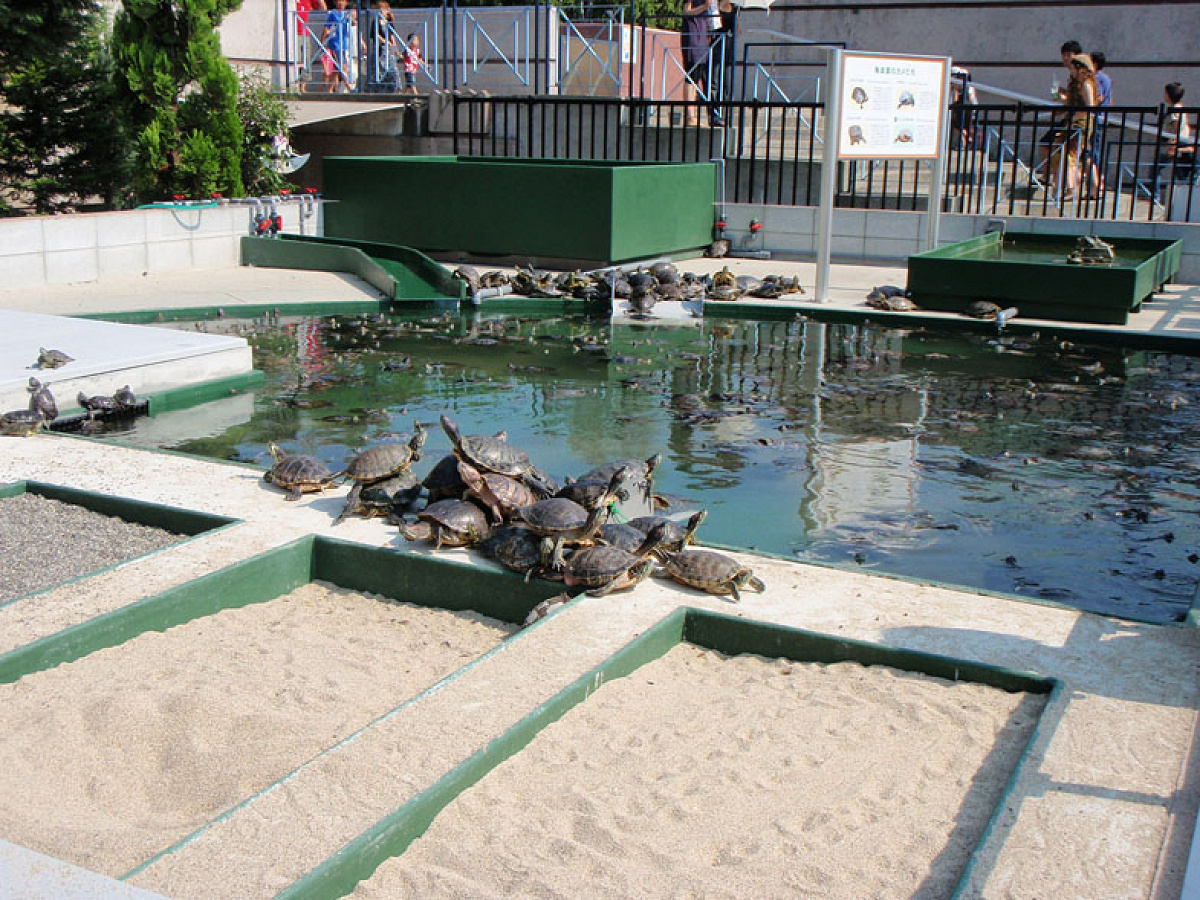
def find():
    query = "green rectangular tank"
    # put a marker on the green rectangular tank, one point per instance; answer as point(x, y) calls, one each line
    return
point(1031, 272)
point(541, 210)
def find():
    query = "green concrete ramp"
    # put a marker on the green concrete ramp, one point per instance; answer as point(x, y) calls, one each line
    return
point(401, 273)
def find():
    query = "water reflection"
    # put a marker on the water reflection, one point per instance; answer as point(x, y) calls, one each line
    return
point(1025, 464)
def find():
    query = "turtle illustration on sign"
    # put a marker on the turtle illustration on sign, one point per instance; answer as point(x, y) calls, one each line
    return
point(906, 99)
point(856, 135)
point(859, 96)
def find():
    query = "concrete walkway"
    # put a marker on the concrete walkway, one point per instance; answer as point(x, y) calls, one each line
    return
point(1106, 801)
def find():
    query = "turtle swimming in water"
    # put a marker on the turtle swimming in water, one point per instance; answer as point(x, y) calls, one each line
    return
point(42, 400)
point(711, 571)
point(298, 473)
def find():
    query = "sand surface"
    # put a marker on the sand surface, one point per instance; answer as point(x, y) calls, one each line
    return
point(44, 542)
point(705, 775)
point(112, 758)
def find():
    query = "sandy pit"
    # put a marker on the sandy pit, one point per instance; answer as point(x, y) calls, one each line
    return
point(705, 775)
point(112, 758)
point(45, 542)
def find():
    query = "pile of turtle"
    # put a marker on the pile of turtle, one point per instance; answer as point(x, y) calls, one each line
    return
point(488, 495)
point(642, 287)
point(43, 408)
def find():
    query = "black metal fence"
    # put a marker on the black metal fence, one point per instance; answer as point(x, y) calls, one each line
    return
point(1119, 163)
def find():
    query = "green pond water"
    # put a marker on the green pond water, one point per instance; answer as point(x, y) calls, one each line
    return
point(1020, 464)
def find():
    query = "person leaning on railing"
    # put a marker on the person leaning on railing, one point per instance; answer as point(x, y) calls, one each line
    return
point(1079, 98)
point(1177, 152)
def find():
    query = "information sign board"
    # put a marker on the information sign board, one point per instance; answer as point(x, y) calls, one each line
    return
point(892, 106)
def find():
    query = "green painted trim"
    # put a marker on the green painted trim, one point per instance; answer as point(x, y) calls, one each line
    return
point(391, 836)
point(204, 392)
point(239, 311)
point(429, 580)
point(241, 584)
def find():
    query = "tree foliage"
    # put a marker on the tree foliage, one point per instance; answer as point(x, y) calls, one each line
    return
point(265, 133)
point(179, 96)
point(60, 144)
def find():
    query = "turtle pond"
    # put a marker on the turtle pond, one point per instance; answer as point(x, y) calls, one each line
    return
point(1023, 464)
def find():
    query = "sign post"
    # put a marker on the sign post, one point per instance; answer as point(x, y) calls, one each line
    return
point(881, 106)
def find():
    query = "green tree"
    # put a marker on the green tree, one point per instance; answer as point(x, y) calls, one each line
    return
point(60, 143)
point(179, 94)
point(264, 122)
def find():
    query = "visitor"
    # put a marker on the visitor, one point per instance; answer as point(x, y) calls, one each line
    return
point(1094, 157)
point(1177, 150)
point(696, 42)
point(1076, 130)
point(412, 62)
point(336, 40)
point(962, 95)
point(1058, 125)
point(388, 50)
point(306, 41)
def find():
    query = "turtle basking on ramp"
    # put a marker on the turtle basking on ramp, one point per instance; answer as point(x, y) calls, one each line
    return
point(298, 473)
point(710, 571)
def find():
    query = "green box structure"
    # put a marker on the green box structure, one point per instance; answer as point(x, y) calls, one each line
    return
point(1030, 272)
point(530, 209)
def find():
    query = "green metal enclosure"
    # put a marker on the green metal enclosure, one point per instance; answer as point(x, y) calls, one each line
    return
point(1031, 272)
point(532, 209)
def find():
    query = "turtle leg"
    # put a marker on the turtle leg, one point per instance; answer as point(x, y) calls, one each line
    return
point(294, 493)
point(556, 555)
point(437, 537)
point(733, 589)
point(351, 503)
point(615, 585)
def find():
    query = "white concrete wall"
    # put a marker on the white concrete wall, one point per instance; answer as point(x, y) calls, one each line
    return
point(888, 235)
point(47, 250)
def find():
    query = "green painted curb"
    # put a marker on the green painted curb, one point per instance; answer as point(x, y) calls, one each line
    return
point(392, 835)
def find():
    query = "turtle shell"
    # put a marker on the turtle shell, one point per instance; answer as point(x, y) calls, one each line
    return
point(21, 421)
point(588, 493)
point(514, 548)
point(457, 522)
point(597, 565)
point(385, 460)
point(711, 571)
point(98, 403)
point(623, 535)
point(483, 452)
point(444, 480)
point(126, 397)
point(676, 535)
point(52, 359)
point(499, 493)
point(554, 516)
point(299, 472)
point(981, 309)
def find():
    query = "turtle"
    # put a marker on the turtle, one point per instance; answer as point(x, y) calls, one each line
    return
point(383, 498)
point(890, 302)
point(677, 535)
point(51, 359)
point(100, 403)
point(718, 249)
point(42, 400)
point(443, 481)
point(711, 571)
point(886, 291)
point(588, 492)
point(126, 397)
point(604, 568)
point(637, 471)
point(499, 494)
point(1091, 251)
point(495, 454)
point(748, 284)
point(906, 99)
point(448, 523)
point(518, 549)
point(546, 607)
point(904, 136)
point(493, 279)
point(298, 473)
point(566, 521)
point(981, 309)
point(856, 135)
point(23, 422)
point(379, 463)
point(468, 276)
point(859, 96)
point(665, 273)
point(621, 534)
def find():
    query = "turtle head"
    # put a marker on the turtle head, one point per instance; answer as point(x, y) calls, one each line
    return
point(451, 430)
point(272, 448)
point(418, 440)
point(694, 523)
point(34, 384)
point(655, 538)
point(82, 399)
point(614, 489)
point(652, 463)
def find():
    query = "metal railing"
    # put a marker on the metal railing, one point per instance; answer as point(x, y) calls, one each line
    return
point(1003, 159)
